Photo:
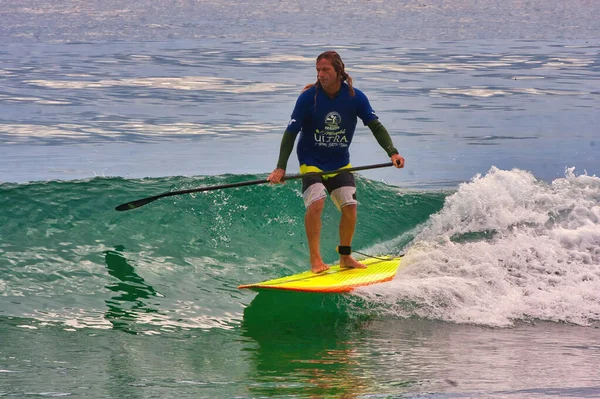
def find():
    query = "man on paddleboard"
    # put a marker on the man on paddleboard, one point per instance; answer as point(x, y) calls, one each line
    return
point(325, 115)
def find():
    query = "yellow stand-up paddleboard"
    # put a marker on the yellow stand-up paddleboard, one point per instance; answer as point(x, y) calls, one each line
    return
point(335, 279)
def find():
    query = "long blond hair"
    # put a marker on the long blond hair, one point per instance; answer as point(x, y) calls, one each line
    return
point(338, 67)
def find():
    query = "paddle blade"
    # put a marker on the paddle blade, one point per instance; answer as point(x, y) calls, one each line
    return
point(137, 203)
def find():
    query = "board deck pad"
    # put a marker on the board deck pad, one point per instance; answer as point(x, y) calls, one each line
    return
point(335, 279)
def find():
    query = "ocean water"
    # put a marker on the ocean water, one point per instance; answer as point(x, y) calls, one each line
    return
point(494, 105)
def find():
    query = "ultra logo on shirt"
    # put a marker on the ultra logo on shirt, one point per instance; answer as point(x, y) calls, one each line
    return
point(332, 135)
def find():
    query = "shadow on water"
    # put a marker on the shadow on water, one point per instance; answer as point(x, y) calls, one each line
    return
point(123, 308)
point(308, 341)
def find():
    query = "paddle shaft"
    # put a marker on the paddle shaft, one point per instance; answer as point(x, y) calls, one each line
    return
point(141, 202)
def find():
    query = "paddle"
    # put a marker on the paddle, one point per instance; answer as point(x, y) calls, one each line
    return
point(141, 202)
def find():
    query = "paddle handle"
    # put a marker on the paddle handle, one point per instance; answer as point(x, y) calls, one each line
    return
point(352, 169)
point(141, 202)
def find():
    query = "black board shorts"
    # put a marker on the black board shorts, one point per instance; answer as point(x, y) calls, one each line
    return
point(341, 188)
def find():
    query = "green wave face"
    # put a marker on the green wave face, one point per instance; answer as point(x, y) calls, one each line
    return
point(67, 257)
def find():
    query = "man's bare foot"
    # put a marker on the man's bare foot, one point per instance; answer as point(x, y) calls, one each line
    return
point(348, 262)
point(318, 266)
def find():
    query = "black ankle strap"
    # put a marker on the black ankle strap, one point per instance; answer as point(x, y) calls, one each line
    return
point(344, 249)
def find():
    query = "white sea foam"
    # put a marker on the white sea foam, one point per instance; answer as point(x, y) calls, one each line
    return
point(269, 59)
point(505, 247)
point(27, 133)
point(491, 92)
point(198, 83)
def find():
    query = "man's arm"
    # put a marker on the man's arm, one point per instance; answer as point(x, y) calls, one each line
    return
point(385, 141)
point(285, 150)
point(287, 145)
point(383, 137)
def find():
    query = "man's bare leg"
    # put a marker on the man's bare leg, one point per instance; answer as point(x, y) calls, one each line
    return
point(312, 224)
point(347, 226)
